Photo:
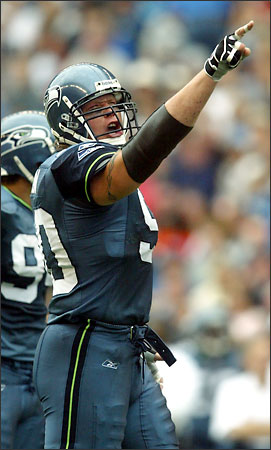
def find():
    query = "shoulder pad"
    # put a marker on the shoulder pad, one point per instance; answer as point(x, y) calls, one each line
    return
point(89, 147)
point(82, 151)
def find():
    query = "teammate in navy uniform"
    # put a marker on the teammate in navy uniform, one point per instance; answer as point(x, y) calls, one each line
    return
point(98, 234)
point(26, 141)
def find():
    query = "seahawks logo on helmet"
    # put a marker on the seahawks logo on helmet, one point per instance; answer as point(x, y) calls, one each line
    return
point(26, 141)
point(52, 96)
point(26, 135)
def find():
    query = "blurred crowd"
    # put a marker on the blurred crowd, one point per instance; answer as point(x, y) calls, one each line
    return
point(211, 197)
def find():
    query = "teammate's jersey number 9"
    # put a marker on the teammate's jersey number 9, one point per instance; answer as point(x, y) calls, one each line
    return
point(28, 264)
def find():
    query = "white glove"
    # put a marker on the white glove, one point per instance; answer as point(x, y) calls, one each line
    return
point(226, 56)
point(150, 359)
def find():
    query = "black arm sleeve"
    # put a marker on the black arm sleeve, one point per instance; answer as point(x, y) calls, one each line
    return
point(158, 136)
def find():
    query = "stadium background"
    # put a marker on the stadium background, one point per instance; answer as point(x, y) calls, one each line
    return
point(211, 196)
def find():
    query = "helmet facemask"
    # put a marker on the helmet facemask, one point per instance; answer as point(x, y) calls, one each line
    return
point(76, 124)
point(123, 112)
point(66, 100)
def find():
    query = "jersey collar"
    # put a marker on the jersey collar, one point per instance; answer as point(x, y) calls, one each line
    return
point(18, 198)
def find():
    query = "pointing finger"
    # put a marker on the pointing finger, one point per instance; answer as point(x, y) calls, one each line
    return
point(240, 32)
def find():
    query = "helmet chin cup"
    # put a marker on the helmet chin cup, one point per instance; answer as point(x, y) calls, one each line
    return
point(118, 141)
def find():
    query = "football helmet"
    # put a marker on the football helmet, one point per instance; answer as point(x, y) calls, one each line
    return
point(26, 141)
point(75, 86)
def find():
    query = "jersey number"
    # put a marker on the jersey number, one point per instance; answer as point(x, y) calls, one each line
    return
point(28, 265)
point(145, 249)
point(59, 263)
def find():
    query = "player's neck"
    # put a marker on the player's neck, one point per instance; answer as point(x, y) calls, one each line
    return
point(21, 188)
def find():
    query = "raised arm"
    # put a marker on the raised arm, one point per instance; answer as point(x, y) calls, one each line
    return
point(168, 125)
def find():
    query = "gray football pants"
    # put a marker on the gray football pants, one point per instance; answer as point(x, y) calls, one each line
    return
point(94, 392)
point(22, 421)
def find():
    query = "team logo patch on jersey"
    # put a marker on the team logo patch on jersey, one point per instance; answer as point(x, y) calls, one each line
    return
point(110, 364)
point(86, 149)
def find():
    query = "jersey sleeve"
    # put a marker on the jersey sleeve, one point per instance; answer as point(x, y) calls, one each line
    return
point(75, 167)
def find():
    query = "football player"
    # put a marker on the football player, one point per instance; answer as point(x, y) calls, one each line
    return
point(26, 141)
point(98, 235)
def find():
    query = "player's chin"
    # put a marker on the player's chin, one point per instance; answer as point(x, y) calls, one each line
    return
point(113, 135)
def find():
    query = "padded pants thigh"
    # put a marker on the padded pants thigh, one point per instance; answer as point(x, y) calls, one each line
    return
point(84, 383)
point(22, 421)
point(90, 386)
point(149, 423)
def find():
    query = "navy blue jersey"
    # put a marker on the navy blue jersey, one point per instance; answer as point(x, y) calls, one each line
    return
point(23, 280)
point(99, 256)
